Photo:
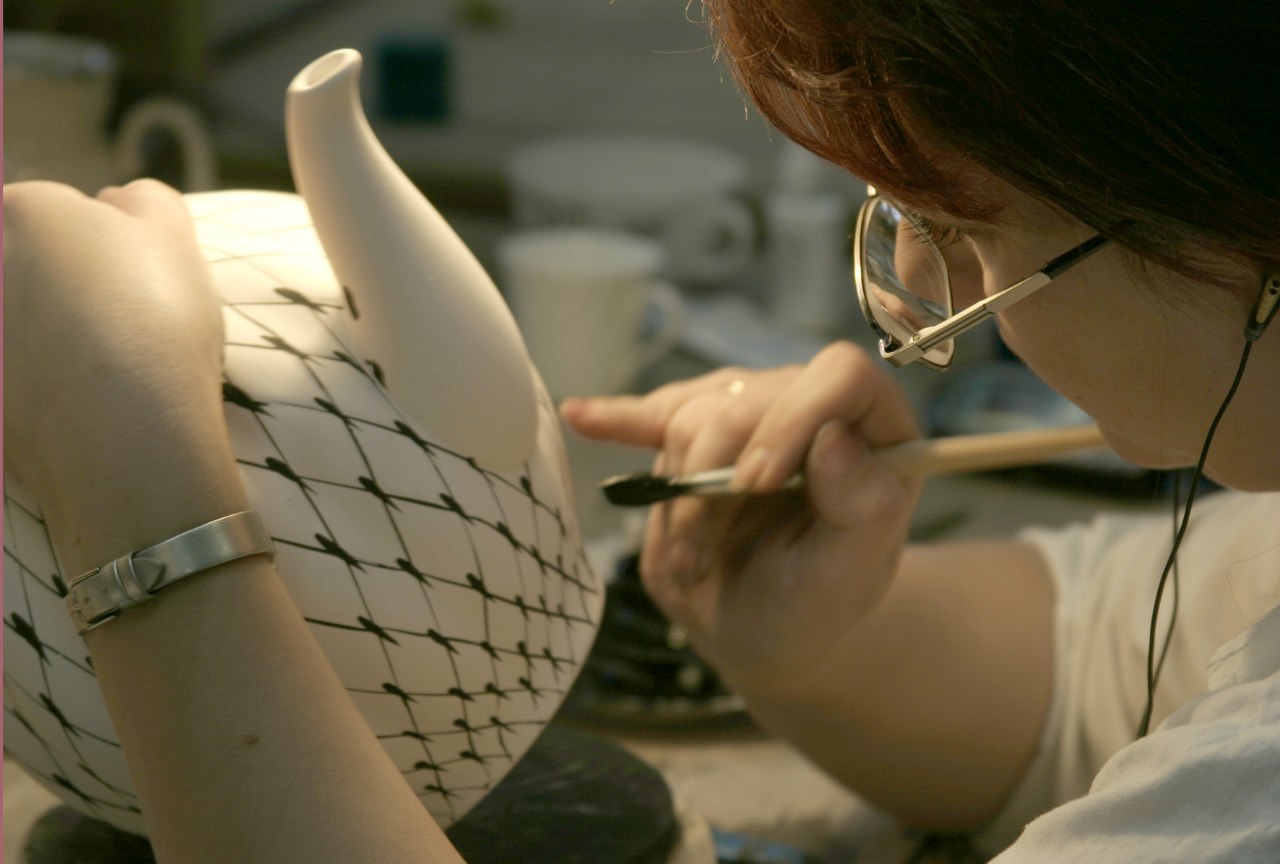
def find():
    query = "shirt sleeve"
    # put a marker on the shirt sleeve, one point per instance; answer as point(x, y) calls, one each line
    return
point(1104, 574)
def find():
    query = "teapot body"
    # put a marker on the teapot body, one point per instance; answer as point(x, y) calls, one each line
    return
point(453, 598)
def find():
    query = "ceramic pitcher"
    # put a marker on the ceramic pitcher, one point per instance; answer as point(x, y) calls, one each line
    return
point(404, 456)
point(57, 93)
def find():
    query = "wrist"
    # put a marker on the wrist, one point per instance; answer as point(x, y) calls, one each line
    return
point(100, 595)
point(127, 495)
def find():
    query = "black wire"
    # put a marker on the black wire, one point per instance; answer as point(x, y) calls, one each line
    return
point(1152, 672)
point(1173, 613)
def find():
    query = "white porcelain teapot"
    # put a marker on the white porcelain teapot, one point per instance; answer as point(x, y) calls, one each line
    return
point(404, 456)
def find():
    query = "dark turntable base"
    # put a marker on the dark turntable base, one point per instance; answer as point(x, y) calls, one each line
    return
point(575, 798)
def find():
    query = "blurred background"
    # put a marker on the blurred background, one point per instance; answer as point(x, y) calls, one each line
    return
point(454, 87)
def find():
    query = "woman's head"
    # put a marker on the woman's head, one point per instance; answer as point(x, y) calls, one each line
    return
point(1035, 124)
point(1153, 122)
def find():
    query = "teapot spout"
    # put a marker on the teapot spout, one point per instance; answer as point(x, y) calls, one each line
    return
point(423, 312)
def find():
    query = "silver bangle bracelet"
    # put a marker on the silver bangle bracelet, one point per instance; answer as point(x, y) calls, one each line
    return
point(100, 595)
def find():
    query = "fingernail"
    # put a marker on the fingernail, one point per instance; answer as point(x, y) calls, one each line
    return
point(870, 499)
point(839, 452)
point(750, 469)
point(576, 407)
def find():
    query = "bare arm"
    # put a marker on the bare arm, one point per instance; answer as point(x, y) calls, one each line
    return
point(932, 706)
point(242, 742)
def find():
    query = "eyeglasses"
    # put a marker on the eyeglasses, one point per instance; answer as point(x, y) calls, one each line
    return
point(904, 287)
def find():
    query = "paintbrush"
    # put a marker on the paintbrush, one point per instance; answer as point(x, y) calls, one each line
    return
point(950, 455)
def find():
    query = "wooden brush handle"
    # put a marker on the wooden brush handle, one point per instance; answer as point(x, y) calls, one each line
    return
point(912, 459)
point(984, 452)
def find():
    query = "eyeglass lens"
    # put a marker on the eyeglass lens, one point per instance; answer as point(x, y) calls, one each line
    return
point(905, 282)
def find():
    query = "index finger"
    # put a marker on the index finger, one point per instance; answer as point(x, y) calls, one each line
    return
point(641, 421)
point(628, 420)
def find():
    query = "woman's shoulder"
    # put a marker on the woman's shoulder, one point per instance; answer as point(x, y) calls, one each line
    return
point(1223, 523)
point(1203, 788)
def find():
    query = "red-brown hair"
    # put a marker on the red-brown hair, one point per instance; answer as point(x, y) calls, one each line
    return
point(1161, 117)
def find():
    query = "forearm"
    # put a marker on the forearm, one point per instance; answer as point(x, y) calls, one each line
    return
point(932, 706)
point(241, 740)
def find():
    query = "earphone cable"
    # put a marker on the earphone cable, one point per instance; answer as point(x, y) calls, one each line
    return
point(1152, 671)
point(1173, 613)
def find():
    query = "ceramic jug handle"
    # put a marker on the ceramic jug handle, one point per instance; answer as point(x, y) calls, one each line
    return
point(711, 240)
point(666, 301)
point(199, 172)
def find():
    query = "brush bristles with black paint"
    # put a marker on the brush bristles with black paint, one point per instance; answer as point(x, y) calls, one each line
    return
point(912, 459)
point(642, 489)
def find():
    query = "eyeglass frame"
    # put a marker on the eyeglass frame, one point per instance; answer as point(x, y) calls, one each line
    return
point(926, 339)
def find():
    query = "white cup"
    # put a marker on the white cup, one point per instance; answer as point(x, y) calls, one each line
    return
point(590, 305)
point(685, 194)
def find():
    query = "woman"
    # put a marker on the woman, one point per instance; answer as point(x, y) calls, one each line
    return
point(973, 686)
point(962, 686)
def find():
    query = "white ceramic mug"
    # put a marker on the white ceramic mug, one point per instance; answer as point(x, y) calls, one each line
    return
point(683, 193)
point(57, 91)
point(590, 305)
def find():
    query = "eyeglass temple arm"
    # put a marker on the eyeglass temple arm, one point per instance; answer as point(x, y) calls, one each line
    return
point(929, 337)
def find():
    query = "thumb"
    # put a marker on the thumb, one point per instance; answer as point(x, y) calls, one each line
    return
point(848, 486)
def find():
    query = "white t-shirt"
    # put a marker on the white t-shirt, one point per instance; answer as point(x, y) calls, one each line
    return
point(1205, 785)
